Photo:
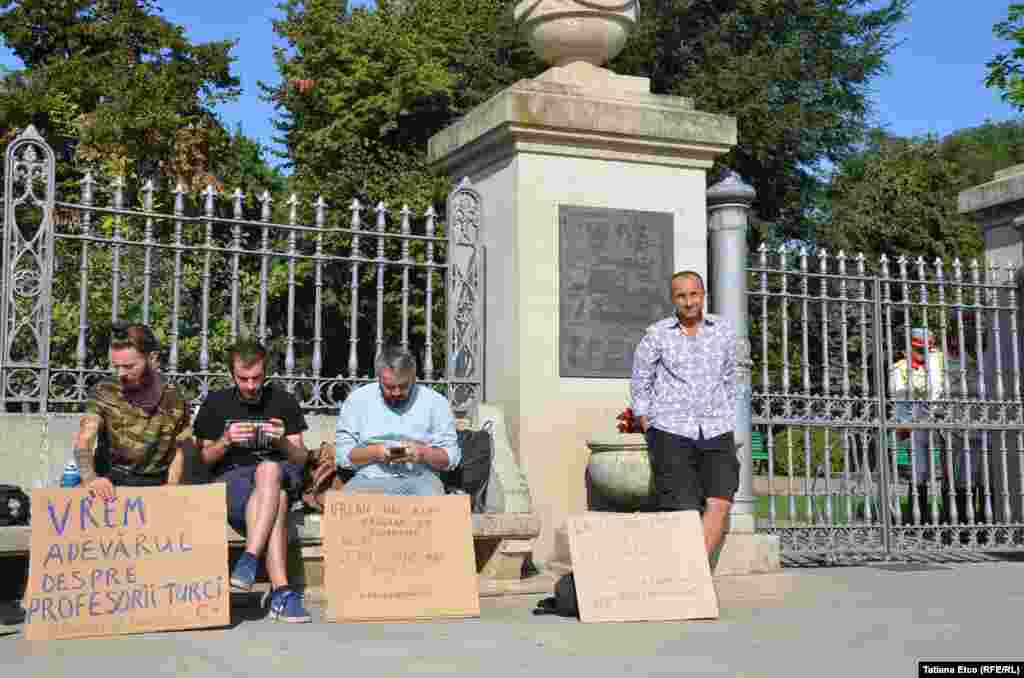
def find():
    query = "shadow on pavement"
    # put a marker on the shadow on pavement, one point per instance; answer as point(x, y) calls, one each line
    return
point(246, 607)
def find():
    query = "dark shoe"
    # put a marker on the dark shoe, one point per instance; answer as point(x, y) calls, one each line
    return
point(286, 606)
point(244, 573)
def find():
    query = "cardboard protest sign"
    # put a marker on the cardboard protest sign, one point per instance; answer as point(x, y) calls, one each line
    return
point(153, 559)
point(641, 567)
point(398, 558)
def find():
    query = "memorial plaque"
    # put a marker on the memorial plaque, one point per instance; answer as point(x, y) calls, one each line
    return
point(641, 567)
point(398, 558)
point(614, 270)
point(153, 559)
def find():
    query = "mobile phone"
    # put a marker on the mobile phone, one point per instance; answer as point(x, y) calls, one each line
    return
point(260, 438)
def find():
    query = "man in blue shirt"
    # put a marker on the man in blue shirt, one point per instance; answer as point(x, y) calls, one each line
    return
point(396, 434)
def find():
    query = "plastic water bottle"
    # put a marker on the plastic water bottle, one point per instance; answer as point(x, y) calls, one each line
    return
point(71, 476)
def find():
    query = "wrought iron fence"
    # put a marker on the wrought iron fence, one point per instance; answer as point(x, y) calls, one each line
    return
point(324, 295)
point(861, 455)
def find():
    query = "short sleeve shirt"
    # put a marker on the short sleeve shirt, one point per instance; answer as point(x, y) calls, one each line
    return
point(221, 407)
point(130, 438)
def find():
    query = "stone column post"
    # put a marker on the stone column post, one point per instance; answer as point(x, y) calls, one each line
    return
point(577, 136)
point(728, 208)
point(997, 206)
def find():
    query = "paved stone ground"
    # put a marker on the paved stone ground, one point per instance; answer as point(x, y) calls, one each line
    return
point(853, 621)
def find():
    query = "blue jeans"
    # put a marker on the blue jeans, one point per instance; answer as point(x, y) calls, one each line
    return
point(421, 485)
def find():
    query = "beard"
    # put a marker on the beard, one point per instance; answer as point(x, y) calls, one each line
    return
point(143, 381)
point(393, 402)
point(254, 398)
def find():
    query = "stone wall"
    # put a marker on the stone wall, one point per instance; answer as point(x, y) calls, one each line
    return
point(998, 208)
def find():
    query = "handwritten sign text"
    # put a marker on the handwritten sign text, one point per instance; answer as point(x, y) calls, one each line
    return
point(398, 557)
point(642, 566)
point(152, 559)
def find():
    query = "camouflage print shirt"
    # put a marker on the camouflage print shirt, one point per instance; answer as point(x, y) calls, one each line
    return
point(132, 440)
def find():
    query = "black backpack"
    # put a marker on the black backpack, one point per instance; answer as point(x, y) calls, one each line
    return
point(473, 473)
point(563, 603)
point(14, 506)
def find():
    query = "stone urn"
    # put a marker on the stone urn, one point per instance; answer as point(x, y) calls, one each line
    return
point(619, 474)
point(565, 31)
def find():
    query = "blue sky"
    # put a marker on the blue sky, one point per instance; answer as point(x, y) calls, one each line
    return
point(935, 84)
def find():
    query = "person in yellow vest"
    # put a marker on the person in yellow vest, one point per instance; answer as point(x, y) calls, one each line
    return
point(914, 381)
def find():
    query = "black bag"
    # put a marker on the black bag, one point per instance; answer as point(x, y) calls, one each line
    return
point(563, 603)
point(473, 473)
point(14, 506)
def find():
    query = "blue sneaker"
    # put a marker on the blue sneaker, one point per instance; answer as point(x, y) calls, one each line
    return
point(244, 574)
point(286, 606)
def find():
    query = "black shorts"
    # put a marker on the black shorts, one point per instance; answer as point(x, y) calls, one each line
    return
point(685, 472)
point(125, 478)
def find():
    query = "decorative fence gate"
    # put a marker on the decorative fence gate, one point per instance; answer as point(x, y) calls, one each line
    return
point(325, 297)
point(859, 457)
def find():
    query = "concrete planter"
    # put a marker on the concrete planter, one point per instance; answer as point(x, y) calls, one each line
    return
point(561, 32)
point(619, 474)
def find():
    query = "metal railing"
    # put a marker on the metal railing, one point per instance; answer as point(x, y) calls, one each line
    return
point(325, 294)
point(866, 457)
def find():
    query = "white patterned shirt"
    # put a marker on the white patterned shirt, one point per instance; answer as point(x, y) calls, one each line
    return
point(687, 385)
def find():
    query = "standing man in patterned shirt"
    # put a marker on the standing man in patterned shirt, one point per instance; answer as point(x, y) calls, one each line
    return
point(138, 422)
point(684, 394)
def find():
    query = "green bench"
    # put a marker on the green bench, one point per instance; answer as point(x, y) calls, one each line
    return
point(758, 452)
point(902, 448)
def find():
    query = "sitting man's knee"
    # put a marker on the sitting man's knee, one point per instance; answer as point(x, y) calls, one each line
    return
point(269, 472)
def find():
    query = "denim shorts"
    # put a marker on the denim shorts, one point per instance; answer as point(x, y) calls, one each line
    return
point(240, 481)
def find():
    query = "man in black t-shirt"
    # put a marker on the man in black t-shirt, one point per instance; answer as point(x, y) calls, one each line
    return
point(251, 436)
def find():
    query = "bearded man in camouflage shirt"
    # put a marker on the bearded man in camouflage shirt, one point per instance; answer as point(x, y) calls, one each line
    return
point(139, 423)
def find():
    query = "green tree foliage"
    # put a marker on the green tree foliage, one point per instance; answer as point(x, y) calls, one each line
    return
point(363, 90)
point(981, 151)
point(1006, 69)
point(139, 266)
point(899, 197)
point(245, 165)
point(121, 90)
point(795, 73)
point(118, 78)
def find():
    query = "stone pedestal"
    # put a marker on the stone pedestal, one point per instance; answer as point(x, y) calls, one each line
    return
point(575, 136)
point(998, 208)
point(743, 551)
